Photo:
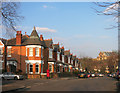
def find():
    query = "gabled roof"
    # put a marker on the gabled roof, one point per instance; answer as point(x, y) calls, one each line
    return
point(56, 47)
point(33, 39)
point(3, 40)
point(48, 43)
point(13, 40)
point(67, 53)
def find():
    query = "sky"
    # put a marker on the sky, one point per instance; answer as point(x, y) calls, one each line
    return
point(76, 26)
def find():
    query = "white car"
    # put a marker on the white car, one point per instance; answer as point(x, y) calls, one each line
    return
point(100, 75)
point(92, 75)
point(9, 75)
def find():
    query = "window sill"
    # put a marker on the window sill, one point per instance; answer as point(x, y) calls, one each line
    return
point(30, 72)
point(9, 56)
point(37, 73)
point(37, 56)
point(30, 55)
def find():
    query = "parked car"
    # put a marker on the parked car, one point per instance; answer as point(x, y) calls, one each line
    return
point(82, 75)
point(9, 75)
point(92, 74)
point(114, 75)
point(100, 75)
point(88, 75)
point(109, 75)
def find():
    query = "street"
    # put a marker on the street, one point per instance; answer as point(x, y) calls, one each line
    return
point(62, 84)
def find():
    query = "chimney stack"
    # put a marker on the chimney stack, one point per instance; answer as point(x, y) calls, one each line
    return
point(41, 37)
point(18, 38)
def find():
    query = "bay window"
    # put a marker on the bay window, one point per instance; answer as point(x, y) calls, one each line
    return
point(63, 58)
point(30, 51)
point(31, 68)
point(50, 53)
point(36, 51)
point(58, 56)
point(37, 68)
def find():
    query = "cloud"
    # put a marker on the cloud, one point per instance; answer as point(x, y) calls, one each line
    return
point(39, 29)
point(45, 6)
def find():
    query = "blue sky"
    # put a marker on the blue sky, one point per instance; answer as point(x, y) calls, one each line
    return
point(74, 25)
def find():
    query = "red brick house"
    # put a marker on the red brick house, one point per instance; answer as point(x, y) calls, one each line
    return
point(32, 55)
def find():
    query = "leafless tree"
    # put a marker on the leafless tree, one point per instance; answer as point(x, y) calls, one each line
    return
point(10, 16)
point(109, 9)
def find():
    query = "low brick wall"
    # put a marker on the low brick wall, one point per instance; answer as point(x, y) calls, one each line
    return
point(34, 76)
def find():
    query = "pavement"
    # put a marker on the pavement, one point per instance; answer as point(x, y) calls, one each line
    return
point(62, 84)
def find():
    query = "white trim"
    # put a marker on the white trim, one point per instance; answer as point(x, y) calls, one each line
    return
point(32, 51)
point(58, 55)
point(9, 46)
point(38, 52)
point(68, 59)
point(34, 61)
point(63, 58)
point(51, 63)
point(33, 46)
point(43, 73)
point(12, 62)
point(8, 55)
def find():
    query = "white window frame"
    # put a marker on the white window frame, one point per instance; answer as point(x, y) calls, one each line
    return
point(32, 69)
point(37, 55)
point(63, 58)
point(41, 52)
point(9, 47)
point(50, 53)
point(68, 59)
point(58, 55)
point(71, 61)
point(38, 69)
point(32, 51)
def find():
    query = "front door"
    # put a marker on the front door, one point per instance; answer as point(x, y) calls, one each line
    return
point(12, 68)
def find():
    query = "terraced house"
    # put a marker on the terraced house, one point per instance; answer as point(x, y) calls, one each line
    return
point(32, 55)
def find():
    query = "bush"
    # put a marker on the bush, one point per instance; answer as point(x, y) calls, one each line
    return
point(75, 73)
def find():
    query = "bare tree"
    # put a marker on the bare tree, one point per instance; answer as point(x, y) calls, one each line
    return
point(10, 17)
point(109, 9)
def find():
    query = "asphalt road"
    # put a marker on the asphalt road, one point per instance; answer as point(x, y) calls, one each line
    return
point(62, 84)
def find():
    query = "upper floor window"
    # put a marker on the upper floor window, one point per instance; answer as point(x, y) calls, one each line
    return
point(58, 56)
point(71, 61)
point(36, 51)
point(37, 68)
point(1, 51)
point(31, 68)
point(9, 52)
point(41, 52)
point(63, 58)
point(30, 51)
point(68, 59)
point(50, 53)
